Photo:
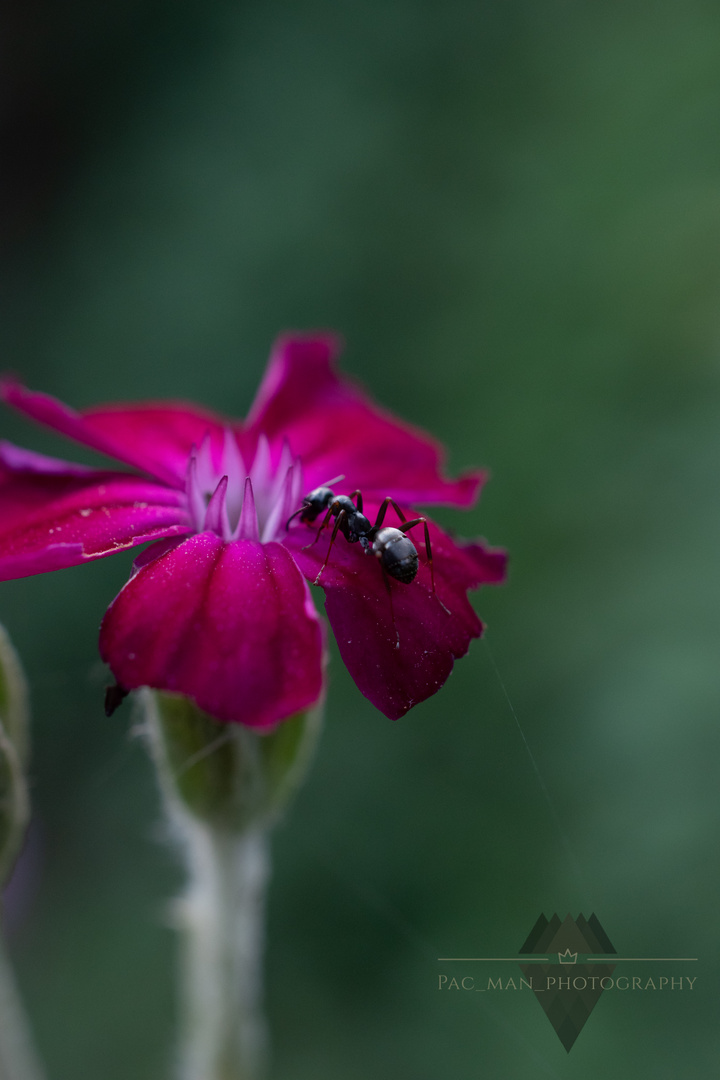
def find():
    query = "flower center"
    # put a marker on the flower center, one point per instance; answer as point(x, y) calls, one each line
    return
point(237, 501)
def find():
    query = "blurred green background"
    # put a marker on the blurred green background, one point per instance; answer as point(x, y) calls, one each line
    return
point(511, 211)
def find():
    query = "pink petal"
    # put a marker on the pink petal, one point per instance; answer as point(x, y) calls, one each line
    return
point(54, 514)
point(150, 553)
point(230, 625)
point(430, 637)
point(18, 459)
point(154, 437)
point(336, 428)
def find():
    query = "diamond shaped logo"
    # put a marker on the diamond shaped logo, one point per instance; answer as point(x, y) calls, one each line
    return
point(567, 994)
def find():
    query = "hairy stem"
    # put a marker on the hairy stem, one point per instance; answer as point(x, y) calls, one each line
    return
point(221, 918)
point(224, 786)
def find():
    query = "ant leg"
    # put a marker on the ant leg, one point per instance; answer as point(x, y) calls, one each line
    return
point(317, 534)
point(386, 580)
point(389, 501)
point(405, 527)
point(339, 518)
point(359, 502)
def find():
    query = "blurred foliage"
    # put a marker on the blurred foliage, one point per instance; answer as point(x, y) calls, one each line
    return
point(14, 748)
point(512, 213)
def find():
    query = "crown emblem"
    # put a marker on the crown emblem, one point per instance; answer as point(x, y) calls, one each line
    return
point(567, 957)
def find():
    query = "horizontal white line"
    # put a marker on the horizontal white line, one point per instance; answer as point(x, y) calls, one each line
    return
point(607, 958)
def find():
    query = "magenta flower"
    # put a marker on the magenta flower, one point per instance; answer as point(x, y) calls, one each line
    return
point(218, 608)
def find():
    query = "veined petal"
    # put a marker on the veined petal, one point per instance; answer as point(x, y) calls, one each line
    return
point(334, 427)
point(53, 516)
point(399, 653)
point(230, 625)
point(155, 437)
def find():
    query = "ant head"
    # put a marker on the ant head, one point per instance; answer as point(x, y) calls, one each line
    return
point(320, 497)
point(314, 503)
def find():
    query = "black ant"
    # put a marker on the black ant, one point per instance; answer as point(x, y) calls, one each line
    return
point(397, 554)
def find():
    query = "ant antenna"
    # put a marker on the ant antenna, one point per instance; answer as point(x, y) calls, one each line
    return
point(287, 523)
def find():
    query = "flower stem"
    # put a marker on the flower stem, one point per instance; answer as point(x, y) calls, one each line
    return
point(221, 915)
point(224, 786)
point(221, 918)
point(17, 1054)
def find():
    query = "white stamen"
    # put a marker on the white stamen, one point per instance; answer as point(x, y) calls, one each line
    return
point(196, 502)
point(224, 498)
point(216, 515)
point(233, 466)
point(283, 508)
point(207, 474)
point(247, 528)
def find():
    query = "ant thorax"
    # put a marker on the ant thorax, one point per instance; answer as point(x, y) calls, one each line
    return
point(357, 527)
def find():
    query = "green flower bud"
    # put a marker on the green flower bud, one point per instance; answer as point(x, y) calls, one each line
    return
point(227, 775)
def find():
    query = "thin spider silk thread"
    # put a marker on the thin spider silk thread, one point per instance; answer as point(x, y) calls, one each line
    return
point(555, 817)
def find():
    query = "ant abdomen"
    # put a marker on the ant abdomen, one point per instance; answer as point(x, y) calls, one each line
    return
point(397, 554)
